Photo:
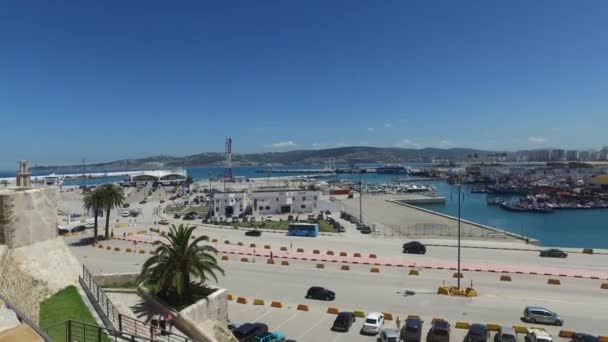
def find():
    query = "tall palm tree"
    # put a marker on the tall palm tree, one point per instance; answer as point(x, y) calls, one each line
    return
point(175, 262)
point(113, 197)
point(94, 201)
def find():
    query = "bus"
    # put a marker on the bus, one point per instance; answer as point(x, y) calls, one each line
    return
point(303, 229)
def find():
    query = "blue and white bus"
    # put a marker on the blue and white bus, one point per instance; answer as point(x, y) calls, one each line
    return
point(303, 229)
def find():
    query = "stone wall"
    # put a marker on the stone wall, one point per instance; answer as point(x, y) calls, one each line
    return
point(27, 215)
point(214, 306)
point(114, 279)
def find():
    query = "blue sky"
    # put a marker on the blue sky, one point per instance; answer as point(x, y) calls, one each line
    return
point(125, 79)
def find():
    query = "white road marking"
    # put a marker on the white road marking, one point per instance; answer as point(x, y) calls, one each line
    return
point(287, 320)
point(312, 327)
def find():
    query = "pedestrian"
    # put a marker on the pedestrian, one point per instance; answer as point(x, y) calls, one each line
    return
point(271, 256)
point(398, 321)
point(124, 234)
point(153, 326)
point(170, 322)
point(163, 324)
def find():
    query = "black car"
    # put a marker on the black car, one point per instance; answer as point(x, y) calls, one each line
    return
point(62, 231)
point(477, 333)
point(191, 216)
point(176, 216)
point(582, 337)
point(317, 292)
point(553, 253)
point(414, 247)
point(412, 330)
point(366, 230)
point(343, 321)
point(439, 332)
point(248, 331)
point(78, 229)
point(253, 232)
point(289, 217)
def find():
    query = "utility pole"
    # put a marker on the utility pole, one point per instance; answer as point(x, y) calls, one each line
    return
point(83, 167)
point(360, 198)
point(459, 189)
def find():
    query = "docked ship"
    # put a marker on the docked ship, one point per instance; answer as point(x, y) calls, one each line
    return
point(392, 169)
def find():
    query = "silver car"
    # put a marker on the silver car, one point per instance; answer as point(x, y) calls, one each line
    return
point(535, 314)
point(505, 334)
point(389, 335)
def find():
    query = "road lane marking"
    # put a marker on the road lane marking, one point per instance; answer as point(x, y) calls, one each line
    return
point(287, 320)
point(312, 327)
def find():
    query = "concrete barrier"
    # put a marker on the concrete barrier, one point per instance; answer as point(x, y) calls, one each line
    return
point(276, 305)
point(303, 307)
point(520, 329)
point(374, 270)
point(330, 252)
point(258, 302)
point(357, 255)
point(565, 333)
point(151, 252)
point(443, 290)
point(388, 316)
point(505, 278)
point(242, 300)
point(414, 272)
point(225, 257)
point(462, 325)
point(316, 251)
point(244, 260)
point(141, 251)
point(214, 240)
point(359, 313)
point(493, 326)
point(588, 250)
point(471, 292)
point(227, 242)
point(266, 246)
point(99, 246)
point(457, 275)
point(300, 250)
point(270, 261)
point(554, 282)
point(109, 248)
point(333, 311)
point(240, 244)
point(372, 256)
point(116, 249)
point(128, 250)
point(129, 234)
point(230, 296)
point(604, 286)
point(343, 254)
point(320, 266)
point(345, 268)
point(142, 231)
point(284, 249)
point(284, 263)
point(435, 319)
point(252, 245)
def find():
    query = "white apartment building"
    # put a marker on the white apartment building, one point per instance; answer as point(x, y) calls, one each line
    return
point(284, 201)
point(230, 203)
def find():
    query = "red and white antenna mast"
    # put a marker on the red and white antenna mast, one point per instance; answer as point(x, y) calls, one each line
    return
point(228, 170)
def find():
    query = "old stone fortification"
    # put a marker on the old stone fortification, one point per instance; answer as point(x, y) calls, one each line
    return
point(30, 274)
point(27, 215)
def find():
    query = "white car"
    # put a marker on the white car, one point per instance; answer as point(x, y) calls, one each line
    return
point(89, 225)
point(373, 323)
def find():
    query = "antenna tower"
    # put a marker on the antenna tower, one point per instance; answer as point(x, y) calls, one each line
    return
point(228, 170)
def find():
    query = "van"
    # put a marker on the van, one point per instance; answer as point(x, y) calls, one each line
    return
point(534, 314)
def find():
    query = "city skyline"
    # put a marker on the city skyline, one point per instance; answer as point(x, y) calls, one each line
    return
point(130, 80)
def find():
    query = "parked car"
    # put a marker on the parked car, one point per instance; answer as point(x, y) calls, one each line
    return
point(126, 205)
point(248, 331)
point(414, 247)
point(274, 336)
point(412, 329)
point(373, 323)
point(235, 219)
point(582, 337)
point(77, 229)
point(535, 314)
point(244, 218)
point(126, 213)
point(553, 253)
point(176, 216)
point(143, 202)
point(343, 321)
point(252, 219)
point(439, 332)
point(163, 222)
point(366, 230)
point(477, 333)
point(360, 226)
point(289, 217)
point(62, 231)
point(538, 335)
point(162, 201)
point(90, 225)
point(317, 292)
point(253, 232)
point(268, 218)
point(191, 216)
point(505, 334)
point(389, 335)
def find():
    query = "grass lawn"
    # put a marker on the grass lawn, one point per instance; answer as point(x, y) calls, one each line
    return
point(282, 225)
point(62, 306)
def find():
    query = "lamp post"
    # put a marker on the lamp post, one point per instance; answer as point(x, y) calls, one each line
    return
point(459, 189)
point(360, 198)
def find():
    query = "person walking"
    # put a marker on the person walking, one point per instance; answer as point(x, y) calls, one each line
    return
point(271, 256)
point(398, 321)
point(170, 322)
point(162, 322)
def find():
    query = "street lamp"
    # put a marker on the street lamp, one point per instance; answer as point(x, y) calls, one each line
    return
point(360, 198)
point(459, 189)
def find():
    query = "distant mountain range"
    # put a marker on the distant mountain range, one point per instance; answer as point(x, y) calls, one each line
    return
point(340, 155)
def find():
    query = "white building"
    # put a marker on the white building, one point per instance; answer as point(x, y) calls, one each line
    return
point(284, 201)
point(230, 203)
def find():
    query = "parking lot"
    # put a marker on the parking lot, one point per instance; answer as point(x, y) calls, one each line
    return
point(316, 325)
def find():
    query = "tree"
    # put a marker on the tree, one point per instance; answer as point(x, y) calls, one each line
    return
point(176, 262)
point(189, 180)
point(94, 200)
point(113, 197)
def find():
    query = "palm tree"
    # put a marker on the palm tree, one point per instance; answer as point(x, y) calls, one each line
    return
point(94, 201)
point(113, 197)
point(174, 263)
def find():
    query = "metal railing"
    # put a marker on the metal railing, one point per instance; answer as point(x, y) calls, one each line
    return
point(24, 319)
point(75, 331)
point(119, 322)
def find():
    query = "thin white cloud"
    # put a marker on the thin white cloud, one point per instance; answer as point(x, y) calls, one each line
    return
point(388, 124)
point(444, 143)
point(406, 143)
point(371, 129)
point(340, 144)
point(283, 144)
point(536, 140)
point(318, 145)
